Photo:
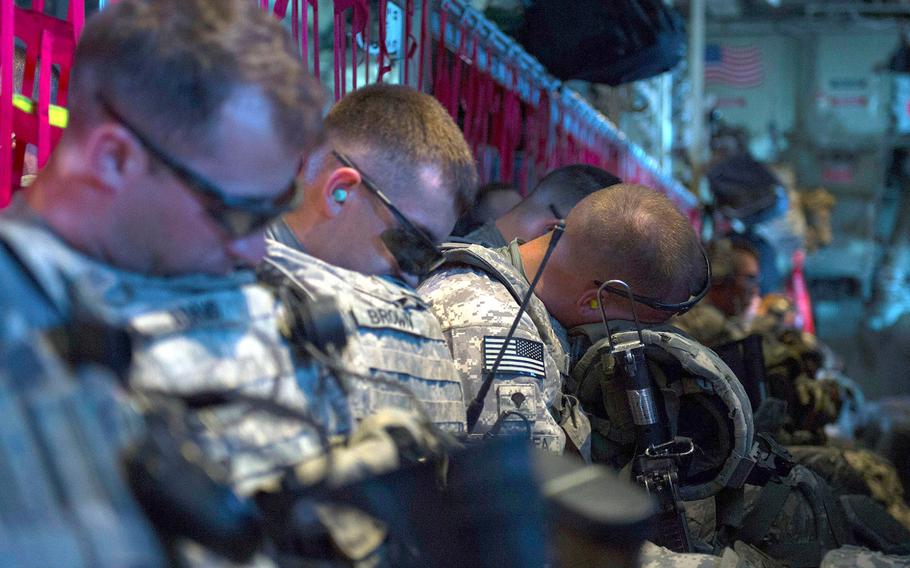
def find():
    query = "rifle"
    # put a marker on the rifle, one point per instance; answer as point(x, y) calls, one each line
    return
point(657, 453)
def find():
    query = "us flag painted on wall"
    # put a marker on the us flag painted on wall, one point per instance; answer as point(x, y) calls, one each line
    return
point(733, 65)
point(522, 356)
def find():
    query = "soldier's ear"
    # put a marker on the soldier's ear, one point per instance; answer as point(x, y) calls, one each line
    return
point(543, 225)
point(113, 157)
point(336, 190)
point(588, 305)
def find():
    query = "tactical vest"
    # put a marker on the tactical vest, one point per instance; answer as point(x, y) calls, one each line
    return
point(190, 334)
point(553, 414)
point(396, 352)
point(702, 399)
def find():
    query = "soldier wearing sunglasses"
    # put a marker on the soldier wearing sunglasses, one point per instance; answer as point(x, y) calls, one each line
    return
point(376, 201)
point(187, 124)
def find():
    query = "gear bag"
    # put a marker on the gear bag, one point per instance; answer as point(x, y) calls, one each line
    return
point(604, 42)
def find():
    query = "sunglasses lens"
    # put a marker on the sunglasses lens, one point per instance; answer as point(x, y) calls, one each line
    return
point(412, 253)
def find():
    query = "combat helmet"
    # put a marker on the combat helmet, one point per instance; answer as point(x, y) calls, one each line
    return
point(701, 399)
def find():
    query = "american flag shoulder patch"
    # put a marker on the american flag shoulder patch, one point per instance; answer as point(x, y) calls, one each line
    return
point(520, 356)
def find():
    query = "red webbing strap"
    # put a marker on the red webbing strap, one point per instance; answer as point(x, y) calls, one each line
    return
point(542, 127)
point(441, 86)
point(295, 30)
point(75, 15)
point(280, 9)
point(800, 292)
point(315, 5)
point(560, 139)
point(264, 4)
point(421, 59)
point(305, 35)
point(511, 129)
point(406, 44)
point(613, 160)
point(6, 100)
point(354, 58)
point(485, 107)
point(339, 52)
point(366, 52)
point(553, 133)
point(360, 14)
point(495, 139)
point(44, 99)
point(384, 63)
point(38, 6)
point(457, 76)
point(29, 30)
point(471, 108)
point(527, 159)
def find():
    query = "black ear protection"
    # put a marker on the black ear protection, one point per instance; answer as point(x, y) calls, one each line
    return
point(339, 195)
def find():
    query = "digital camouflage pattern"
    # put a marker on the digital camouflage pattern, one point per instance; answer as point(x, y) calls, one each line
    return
point(709, 326)
point(793, 370)
point(703, 400)
point(472, 304)
point(857, 472)
point(856, 557)
point(392, 335)
point(740, 556)
point(190, 334)
point(64, 500)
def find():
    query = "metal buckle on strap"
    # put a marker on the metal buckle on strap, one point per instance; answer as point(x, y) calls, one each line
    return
point(678, 447)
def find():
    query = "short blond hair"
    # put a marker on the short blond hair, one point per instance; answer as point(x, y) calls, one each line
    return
point(398, 130)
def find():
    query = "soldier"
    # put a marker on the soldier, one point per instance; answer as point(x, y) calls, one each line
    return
point(493, 200)
point(551, 200)
point(65, 502)
point(187, 123)
point(476, 297)
point(724, 315)
point(389, 184)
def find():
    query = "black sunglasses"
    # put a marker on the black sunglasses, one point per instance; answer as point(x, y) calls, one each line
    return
point(656, 304)
point(415, 252)
point(238, 216)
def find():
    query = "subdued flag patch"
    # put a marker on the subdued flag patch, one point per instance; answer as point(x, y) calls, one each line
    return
point(521, 356)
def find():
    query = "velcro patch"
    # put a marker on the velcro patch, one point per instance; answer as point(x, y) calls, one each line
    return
point(416, 322)
point(521, 356)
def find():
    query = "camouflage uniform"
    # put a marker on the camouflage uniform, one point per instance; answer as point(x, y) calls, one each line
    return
point(63, 501)
point(476, 307)
point(487, 235)
point(857, 472)
point(189, 334)
point(395, 347)
point(709, 326)
point(856, 557)
point(740, 556)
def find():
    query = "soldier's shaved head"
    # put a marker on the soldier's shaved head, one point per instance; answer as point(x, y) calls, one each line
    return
point(627, 232)
point(635, 234)
point(552, 198)
point(566, 187)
